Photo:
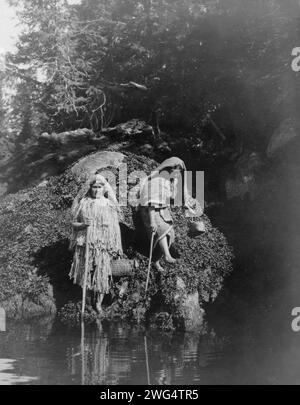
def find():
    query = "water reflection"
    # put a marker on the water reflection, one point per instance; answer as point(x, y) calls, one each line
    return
point(105, 354)
point(48, 353)
point(7, 375)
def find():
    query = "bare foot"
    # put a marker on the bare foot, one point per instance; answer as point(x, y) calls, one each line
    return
point(123, 289)
point(170, 259)
point(158, 266)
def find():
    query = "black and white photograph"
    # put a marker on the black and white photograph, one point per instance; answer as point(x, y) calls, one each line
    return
point(149, 195)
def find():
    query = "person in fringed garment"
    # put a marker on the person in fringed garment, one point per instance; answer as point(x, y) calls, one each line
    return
point(157, 192)
point(96, 212)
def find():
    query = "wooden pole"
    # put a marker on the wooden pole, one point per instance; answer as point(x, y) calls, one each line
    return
point(147, 361)
point(82, 353)
point(150, 259)
point(86, 269)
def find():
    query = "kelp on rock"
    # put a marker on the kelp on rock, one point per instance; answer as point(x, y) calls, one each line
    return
point(35, 258)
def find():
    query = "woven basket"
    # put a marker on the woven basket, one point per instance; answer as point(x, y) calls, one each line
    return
point(196, 227)
point(122, 267)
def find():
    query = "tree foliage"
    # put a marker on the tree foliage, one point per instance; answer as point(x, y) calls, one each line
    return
point(77, 66)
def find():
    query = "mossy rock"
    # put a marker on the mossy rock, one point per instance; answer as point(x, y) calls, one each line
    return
point(35, 259)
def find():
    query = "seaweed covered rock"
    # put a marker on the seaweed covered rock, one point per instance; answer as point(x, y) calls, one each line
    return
point(35, 259)
point(28, 223)
point(34, 232)
point(184, 287)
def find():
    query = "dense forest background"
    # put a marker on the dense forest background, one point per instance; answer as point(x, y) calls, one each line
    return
point(216, 77)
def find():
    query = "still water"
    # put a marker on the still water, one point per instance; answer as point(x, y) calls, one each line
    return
point(46, 352)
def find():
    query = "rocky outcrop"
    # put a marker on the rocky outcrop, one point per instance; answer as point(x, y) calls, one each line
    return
point(189, 306)
point(90, 164)
point(35, 259)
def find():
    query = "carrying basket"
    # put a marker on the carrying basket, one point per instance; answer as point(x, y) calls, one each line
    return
point(123, 267)
point(196, 226)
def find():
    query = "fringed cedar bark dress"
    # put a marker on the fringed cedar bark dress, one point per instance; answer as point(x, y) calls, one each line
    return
point(104, 243)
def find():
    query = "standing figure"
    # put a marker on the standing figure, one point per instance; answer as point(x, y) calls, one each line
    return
point(95, 219)
point(156, 194)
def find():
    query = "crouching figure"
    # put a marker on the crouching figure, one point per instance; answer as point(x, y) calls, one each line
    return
point(156, 194)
